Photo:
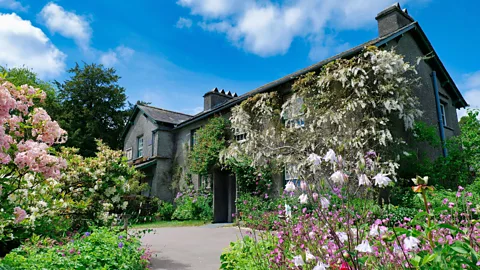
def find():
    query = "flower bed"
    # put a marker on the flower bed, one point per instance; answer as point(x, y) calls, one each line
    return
point(102, 248)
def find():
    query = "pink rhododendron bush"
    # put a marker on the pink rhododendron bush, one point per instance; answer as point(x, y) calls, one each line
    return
point(44, 191)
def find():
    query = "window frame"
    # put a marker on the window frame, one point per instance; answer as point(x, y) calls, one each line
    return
point(295, 119)
point(443, 113)
point(295, 179)
point(140, 150)
point(239, 135)
point(129, 153)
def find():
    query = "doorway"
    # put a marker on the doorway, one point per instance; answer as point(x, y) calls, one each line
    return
point(224, 196)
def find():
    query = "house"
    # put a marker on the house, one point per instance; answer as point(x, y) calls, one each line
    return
point(157, 140)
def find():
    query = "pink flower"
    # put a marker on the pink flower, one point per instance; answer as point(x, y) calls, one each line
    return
point(20, 214)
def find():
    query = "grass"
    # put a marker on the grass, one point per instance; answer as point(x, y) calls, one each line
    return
point(173, 223)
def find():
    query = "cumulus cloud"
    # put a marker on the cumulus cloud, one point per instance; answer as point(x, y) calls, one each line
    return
point(267, 27)
point(25, 45)
point(114, 57)
point(184, 23)
point(13, 5)
point(472, 94)
point(67, 24)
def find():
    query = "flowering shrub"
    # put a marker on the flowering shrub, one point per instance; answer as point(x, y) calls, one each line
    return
point(340, 236)
point(193, 205)
point(101, 248)
point(44, 191)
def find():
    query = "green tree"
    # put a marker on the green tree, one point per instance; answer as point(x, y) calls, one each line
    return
point(23, 75)
point(93, 107)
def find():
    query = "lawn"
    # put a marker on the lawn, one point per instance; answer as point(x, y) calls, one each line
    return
point(173, 223)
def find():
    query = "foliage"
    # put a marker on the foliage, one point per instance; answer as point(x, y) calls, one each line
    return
point(48, 192)
point(92, 107)
point(22, 75)
point(141, 208)
point(250, 180)
point(209, 141)
point(165, 210)
point(193, 205)
point(245, 253)
point(103, 248)
point(350, 107)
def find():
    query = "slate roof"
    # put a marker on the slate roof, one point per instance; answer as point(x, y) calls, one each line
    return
point(379, 41)
point(165, 116)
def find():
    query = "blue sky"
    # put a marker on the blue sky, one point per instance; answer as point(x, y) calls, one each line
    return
point(171, 52)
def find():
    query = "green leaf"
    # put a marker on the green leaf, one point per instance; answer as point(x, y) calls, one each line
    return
point(459, 249)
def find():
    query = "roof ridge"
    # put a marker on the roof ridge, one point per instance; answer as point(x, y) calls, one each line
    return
point(157, 108)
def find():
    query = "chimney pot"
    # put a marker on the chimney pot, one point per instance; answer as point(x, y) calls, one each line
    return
point(391, 19)
point(214, 98)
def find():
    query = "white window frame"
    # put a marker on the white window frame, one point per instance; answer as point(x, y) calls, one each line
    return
point(140, 149)
point(295, 119)
point(129, 153)
point(290, 175)
point(239, 135)
point(443, 114)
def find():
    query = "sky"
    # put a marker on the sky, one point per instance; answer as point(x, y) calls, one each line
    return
point(170, 53)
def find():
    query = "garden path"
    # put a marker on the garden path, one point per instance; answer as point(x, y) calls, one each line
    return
point(185, 248)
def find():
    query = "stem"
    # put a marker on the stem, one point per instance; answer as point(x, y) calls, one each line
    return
point(429, 235)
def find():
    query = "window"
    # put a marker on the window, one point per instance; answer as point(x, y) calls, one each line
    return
point(193, 137)
point(140, 147)
point(291, 175)
point(129, 153)
point(294, 116)
point(444, 115)
point(239, 135)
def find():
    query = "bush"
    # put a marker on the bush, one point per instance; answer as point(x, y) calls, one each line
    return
point(142, 208)
point(103, 248)
point(194, 205)
point(165, 210)
point(244, 254)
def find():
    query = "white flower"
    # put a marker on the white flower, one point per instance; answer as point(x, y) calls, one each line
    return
point(42, 203)
point(303, 198)
point(382, 180)
point(288, 211)
point(315, 159)
point(420, 181)
point(411, 242)
point(377, 230)
point(290, 186)
point(320, 266)
point(298, 260)
point(116, 199)
point(342, 236)
point(338, 177)
point(309, 256)
point(363, 180)
point(330, 156)
point(124, 205)
point(364, 247)
point(324, 202)
point(311, 234)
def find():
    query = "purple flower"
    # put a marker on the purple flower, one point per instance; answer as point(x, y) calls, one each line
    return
point(120, 245)
point(120, 236)
point(460, 188)
point(87, 234)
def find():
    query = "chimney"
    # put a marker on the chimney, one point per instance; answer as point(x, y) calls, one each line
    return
point(391, 19)
point(214, 98)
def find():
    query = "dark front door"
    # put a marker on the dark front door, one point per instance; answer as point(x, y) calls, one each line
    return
point(224, 195)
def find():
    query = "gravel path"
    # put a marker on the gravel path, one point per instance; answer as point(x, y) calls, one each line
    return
point(183, 248)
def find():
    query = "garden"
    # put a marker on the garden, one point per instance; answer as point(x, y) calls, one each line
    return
point(357, 193)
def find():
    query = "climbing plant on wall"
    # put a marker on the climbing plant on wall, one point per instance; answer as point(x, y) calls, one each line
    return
point(209, 141)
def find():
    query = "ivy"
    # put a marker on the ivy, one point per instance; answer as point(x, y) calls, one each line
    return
point(209, 141)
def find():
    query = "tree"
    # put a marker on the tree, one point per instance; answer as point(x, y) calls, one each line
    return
point(93, 107)
point(23, 75)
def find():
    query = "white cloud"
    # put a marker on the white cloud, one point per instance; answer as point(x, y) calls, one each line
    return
point(113, 57)
point(267, 27)
point(25, 45)
point(67, 24)
point(13, 5)
point(183, 23)
point(472, 94)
